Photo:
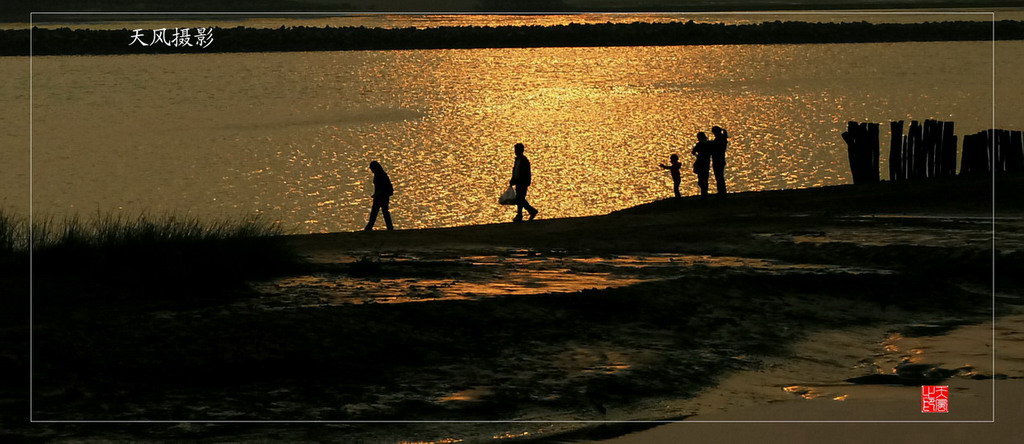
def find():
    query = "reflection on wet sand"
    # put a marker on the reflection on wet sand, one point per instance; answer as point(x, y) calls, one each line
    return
point(468, 395)
point(509, 435)
point(804, 392)
point(434, 441)
point(402, 278)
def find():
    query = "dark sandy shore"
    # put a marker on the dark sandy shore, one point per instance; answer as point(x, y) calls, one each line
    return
point(625, 316)
point(713, 225)
point(813, 388)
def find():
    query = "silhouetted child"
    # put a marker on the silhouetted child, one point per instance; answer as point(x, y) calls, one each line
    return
point(674, 167)
point(703, 150)
point(382, 191)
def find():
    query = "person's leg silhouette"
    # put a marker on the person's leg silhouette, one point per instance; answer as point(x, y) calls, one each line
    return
point(718, 161)
point(373, 216)
point(522, 203)
point(385, 203)
point(380, 205)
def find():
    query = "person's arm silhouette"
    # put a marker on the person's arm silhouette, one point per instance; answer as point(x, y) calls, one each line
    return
point(515, 172)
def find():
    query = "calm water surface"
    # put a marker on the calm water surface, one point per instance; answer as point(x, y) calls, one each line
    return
point(290, 135)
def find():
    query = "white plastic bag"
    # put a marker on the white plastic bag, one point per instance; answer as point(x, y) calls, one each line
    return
point(508, 197)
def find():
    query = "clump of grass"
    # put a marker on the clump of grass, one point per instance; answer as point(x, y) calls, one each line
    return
point(13, 243)
point(148, 255)
point(13, 234)
point(109, 231)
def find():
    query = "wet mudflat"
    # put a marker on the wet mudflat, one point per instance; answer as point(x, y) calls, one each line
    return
point(813, 384)
point(452, 275)
point(452, 325)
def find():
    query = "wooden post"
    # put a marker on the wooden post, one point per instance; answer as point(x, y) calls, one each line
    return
point(1016, 151)
point(948, 150)
point(997, 152)
point(896, 151)
point(990, 145)
point(1003, 150)
point(927, 148)
point(863, 150)
point(871, 154)
point(905, 158)
point(936, 148)
point(967, 153)
point(850, 137)
point(916, 151)
point(908, 152)
point(976, 153)
point(863, 157)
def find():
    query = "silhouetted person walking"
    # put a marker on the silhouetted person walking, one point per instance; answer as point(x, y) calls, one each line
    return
point(674, 166)
point(521, 179)
point(720, 143)
point(382, 191)
point(702, 150)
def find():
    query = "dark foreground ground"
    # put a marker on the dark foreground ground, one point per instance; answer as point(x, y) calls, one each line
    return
point(598, 318)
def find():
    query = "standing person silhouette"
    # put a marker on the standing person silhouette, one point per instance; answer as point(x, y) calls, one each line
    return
point(382, 191)
point(521, 179)
point(720, 143)
point(702, 150)
point(674, 166)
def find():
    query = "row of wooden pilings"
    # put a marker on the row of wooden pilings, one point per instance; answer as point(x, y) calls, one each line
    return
point(999, 149)
point(930, 150)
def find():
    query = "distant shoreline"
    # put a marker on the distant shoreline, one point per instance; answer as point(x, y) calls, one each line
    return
point(99, 16)
point(66, 41)
point(20, 14)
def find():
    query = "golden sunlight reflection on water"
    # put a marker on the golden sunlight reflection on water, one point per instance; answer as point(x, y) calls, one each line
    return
point(290, 134)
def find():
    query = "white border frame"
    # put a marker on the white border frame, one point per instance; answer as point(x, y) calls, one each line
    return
point(32, 15)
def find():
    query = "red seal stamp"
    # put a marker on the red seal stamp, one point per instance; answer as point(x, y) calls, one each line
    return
point(934, 399)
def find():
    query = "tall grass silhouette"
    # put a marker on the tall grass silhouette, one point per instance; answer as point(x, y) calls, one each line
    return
point(146, 252)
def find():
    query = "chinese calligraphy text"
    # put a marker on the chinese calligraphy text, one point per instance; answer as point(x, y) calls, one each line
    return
point(173, 37)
